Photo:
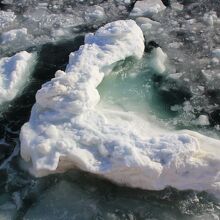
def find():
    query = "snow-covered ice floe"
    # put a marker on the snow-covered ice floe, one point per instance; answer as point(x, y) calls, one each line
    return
point(51, 21)
point(14, 74)
point(67, 129)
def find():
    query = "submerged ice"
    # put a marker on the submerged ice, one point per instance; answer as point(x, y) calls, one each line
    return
point(68, 129)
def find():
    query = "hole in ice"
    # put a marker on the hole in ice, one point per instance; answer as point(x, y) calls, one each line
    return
point(134, 86)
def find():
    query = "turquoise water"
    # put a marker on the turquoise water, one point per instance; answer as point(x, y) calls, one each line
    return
point(134, 86)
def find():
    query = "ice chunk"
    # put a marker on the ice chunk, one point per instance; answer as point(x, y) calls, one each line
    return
point(202, 120)
point(158, 60)
point(14, 35)
point(14, 74)
point(147, 8)
point(7, 211)
point(146, 24)
point(216, 52)
point(67, 129)
point(6, 18)
point(7, 207)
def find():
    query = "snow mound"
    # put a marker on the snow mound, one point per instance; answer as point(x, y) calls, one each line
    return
point(67, 128)
point(14, 74)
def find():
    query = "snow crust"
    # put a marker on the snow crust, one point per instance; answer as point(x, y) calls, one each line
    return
point(67, 128)
point(14, 74)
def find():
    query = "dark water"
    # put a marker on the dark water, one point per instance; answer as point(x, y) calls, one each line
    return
point(78, 195)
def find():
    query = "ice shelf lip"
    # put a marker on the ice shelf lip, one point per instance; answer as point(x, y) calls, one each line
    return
point(67, 130)
point(14, 74)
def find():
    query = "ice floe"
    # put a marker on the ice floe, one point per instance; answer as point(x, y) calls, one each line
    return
point(14, 73)
point(67, 128)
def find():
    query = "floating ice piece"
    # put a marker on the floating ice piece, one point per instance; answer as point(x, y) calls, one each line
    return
point(202, 120)
point(95, 14)
point(147, 8)
point(6, 18)
point(211, 18)
point(14, 74)
point(67, 129)
point(7, 210)
point(14, 35)
point(216, 52)
point(158, 60)
point(146, 24)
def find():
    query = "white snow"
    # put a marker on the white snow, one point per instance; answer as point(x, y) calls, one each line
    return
point(147, 8)
point(14, 74)
point(68, 129)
